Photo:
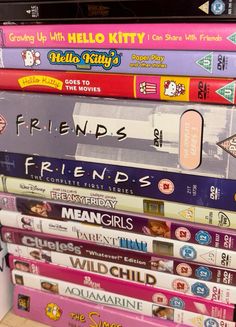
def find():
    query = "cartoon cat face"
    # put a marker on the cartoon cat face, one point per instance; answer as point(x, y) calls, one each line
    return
point(31, 58)
point(170, 88)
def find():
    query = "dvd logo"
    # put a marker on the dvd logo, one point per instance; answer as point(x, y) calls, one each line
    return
point(215, 294)
point(227, 278)
point(221, 62)
point(214, 193)
point(227, 241)
point(202, 90)
point(225, 260)
point(158, 138)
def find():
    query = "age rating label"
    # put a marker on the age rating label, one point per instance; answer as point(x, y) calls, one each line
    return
point(182, 234)
point(180, 285)
point(160, 298)
point(166, 186)
point(188, 252)
point(183, 269)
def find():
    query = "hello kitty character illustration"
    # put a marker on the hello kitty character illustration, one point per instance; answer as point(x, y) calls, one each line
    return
point(31, 58)
point(172, 89)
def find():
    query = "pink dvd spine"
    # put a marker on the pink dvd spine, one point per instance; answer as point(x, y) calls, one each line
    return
point(150, 294)
point(58, 247)
point(184, 36)
point(128, 303)
point(58, 311)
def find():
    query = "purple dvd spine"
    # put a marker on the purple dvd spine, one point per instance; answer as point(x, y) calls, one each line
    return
point(189, 189)
point(161, 62)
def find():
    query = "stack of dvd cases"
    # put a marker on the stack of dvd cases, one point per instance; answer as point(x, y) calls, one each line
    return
point(117, 192)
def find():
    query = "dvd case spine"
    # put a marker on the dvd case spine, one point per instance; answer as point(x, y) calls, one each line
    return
point(107, 298)
point(223, 238)
point(120, 239)
point(191, 286)
point(126, 261)
point(147, 63)
point(149, 87)
point(158, 184)
point(118, 11)
point(181, 36)
point(59, 311)
point(108, 131)
point(114, 134)
point(118, 201)
point(140, 292)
